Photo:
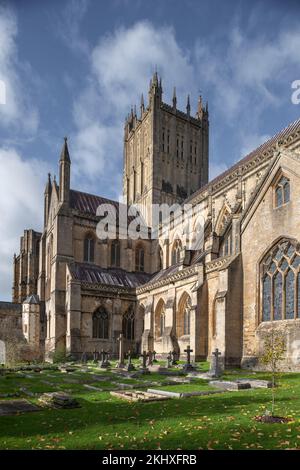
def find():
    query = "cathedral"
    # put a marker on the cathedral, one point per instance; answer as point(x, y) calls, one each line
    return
point(74, 292)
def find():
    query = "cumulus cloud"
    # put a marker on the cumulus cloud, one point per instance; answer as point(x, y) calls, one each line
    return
point(121, 66)
point(21, 180)
point(243, 69)
point(17, 112)
point(21, 206)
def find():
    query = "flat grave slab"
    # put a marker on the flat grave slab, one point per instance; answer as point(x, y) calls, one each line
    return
point(92, 387)
point(256, 383)
point(230, 385)
point(13, 407)
point(170, 394)
point(60, 400)
point(138, 395)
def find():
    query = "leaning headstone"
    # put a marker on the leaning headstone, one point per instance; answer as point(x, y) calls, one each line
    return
point(215, 367)
point(121, 362)
point(188, 366)
point(104, 364)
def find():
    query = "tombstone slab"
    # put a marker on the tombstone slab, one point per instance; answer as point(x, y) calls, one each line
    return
point(138, 395)
point(230, 385)
point(13, 407)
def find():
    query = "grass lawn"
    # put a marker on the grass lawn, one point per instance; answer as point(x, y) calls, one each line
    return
point(221, 421)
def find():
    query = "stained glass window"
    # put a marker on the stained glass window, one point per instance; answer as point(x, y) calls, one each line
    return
point(267, 298)
point(100, 323)
point(89, 249)
point(289, 294)
point(278, 296)
point(280, 282)
point(128, 324)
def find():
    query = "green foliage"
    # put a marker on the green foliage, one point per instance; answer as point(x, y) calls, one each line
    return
point(273, 353)
point(221, 421)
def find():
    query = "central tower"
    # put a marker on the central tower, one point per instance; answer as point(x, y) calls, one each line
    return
point(165, 151)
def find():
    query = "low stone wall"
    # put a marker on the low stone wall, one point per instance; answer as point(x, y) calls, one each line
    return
point(291, 331)
point(11, 336)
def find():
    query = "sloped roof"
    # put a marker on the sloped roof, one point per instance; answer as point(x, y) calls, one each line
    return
point(111, 276)
point(278, 138)
point(88, 203)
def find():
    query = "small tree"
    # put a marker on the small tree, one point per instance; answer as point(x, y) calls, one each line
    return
point(273, 353)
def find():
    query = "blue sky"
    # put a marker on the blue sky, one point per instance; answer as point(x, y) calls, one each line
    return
point(75, 67)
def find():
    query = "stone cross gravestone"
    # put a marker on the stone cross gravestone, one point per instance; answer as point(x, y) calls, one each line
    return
point(188, 366)
point(144, 357)
point(104, 360)
point(129, 366)
point(154, 357)
point(215, 367)
point(121, 362)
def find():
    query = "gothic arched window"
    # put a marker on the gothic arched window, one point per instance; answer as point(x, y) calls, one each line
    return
point(281, 282)
point(115, 253)
point(89, 249)
point(139, 259)
point(183, 316)
point(100, 324)
point(186, 324)
point(128, 324)
point(162, 323)
point(159, 317)
point(282, 192)
point(176, 252)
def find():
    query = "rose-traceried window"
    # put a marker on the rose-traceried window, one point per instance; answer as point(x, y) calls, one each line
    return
point(281, 282)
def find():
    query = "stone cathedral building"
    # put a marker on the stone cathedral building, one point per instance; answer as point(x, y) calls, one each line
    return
point(76, 293)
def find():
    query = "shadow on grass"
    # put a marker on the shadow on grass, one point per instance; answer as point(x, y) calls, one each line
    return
point(110, 412)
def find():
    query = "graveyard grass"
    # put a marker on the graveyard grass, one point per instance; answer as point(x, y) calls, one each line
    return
point(221, 421)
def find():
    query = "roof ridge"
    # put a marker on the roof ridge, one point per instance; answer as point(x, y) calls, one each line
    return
point(247, 157)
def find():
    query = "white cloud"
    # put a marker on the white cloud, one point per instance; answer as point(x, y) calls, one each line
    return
point(21, 206)
point(18, 112)
point(121, 66)
point(21, 181)
point(244, 71)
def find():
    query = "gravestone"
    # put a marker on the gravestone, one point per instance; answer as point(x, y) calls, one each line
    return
point(83, 358)
point(95, 356)
point(2, 352)
point(169, 360)
point(138, 395)
point(143, 368)
point(173, 354)
point(188, 366)
point(11, 407)
point(154, 357)
point(150, 358)
point(129, 366)
point(121, 362)
point(216, 367)
point(104, 364)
